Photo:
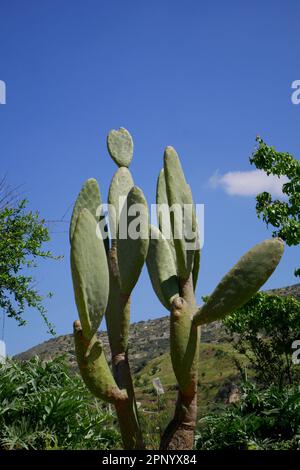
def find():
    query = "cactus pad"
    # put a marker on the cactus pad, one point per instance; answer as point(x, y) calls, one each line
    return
point(161, 268)
point(120, 146)
point(242, 281)
point(132, 247)
point(120, 186)
point(88, 198)
point(179, 196)
point(90, 273)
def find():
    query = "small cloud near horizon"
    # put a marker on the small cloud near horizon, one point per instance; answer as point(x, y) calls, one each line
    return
point(248, 183)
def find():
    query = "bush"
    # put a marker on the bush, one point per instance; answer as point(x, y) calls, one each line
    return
point(266, 328)
point(262, 419)
point(44, 406)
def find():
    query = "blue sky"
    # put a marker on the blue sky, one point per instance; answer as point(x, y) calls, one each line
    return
point(205, 77)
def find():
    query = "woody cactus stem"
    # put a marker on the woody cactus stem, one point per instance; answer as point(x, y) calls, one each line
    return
point(105, 272)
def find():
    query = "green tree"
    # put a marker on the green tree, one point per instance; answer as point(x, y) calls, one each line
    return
point(22, 235)
point(264, 330)
point(283, 215)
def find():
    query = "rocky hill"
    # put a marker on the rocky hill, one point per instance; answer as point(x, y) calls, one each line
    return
point(147, 340)
point(293, 290)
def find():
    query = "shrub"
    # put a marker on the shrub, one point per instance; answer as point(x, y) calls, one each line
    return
point(262, 419)
point(44, 406)
point(266, 328)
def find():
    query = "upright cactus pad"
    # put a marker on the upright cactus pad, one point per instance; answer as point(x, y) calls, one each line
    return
point(88, 198)
point(181, 214)
point(104, 275)
point(162, 268)
point(120, 186)
point(132, 245)
point(89, 270)
point(120, 146)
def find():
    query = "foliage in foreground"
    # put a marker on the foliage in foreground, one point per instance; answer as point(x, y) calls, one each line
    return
point(262, 420)
point(42, 406)
point(265, 329)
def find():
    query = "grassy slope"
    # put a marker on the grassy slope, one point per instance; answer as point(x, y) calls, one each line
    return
point(217, 376)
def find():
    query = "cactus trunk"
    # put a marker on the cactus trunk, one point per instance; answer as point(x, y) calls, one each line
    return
point(117, 319)
point(128, 422)
point(179, 434)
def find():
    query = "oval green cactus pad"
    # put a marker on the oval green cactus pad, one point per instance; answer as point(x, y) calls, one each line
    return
point(133, 239)
point(161, 268)
point(89, 273)
point(120, 186)
point(120, 146)
point(242, 281)
point(88, 198)
point(181, 212)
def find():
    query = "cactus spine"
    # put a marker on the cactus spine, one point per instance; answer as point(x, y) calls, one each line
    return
point(104, 275)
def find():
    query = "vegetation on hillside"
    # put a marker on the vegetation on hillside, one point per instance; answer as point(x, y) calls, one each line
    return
point(263, 419)
point(265, 330)
point(266, 414)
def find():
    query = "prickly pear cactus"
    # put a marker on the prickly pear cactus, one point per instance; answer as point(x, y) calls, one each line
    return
point(173, 266)
point(105, 272)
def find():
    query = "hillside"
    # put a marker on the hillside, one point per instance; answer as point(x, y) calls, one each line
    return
point(147, 340)
point(149, 358)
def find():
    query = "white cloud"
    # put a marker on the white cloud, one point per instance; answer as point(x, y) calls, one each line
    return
point(248, 183)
